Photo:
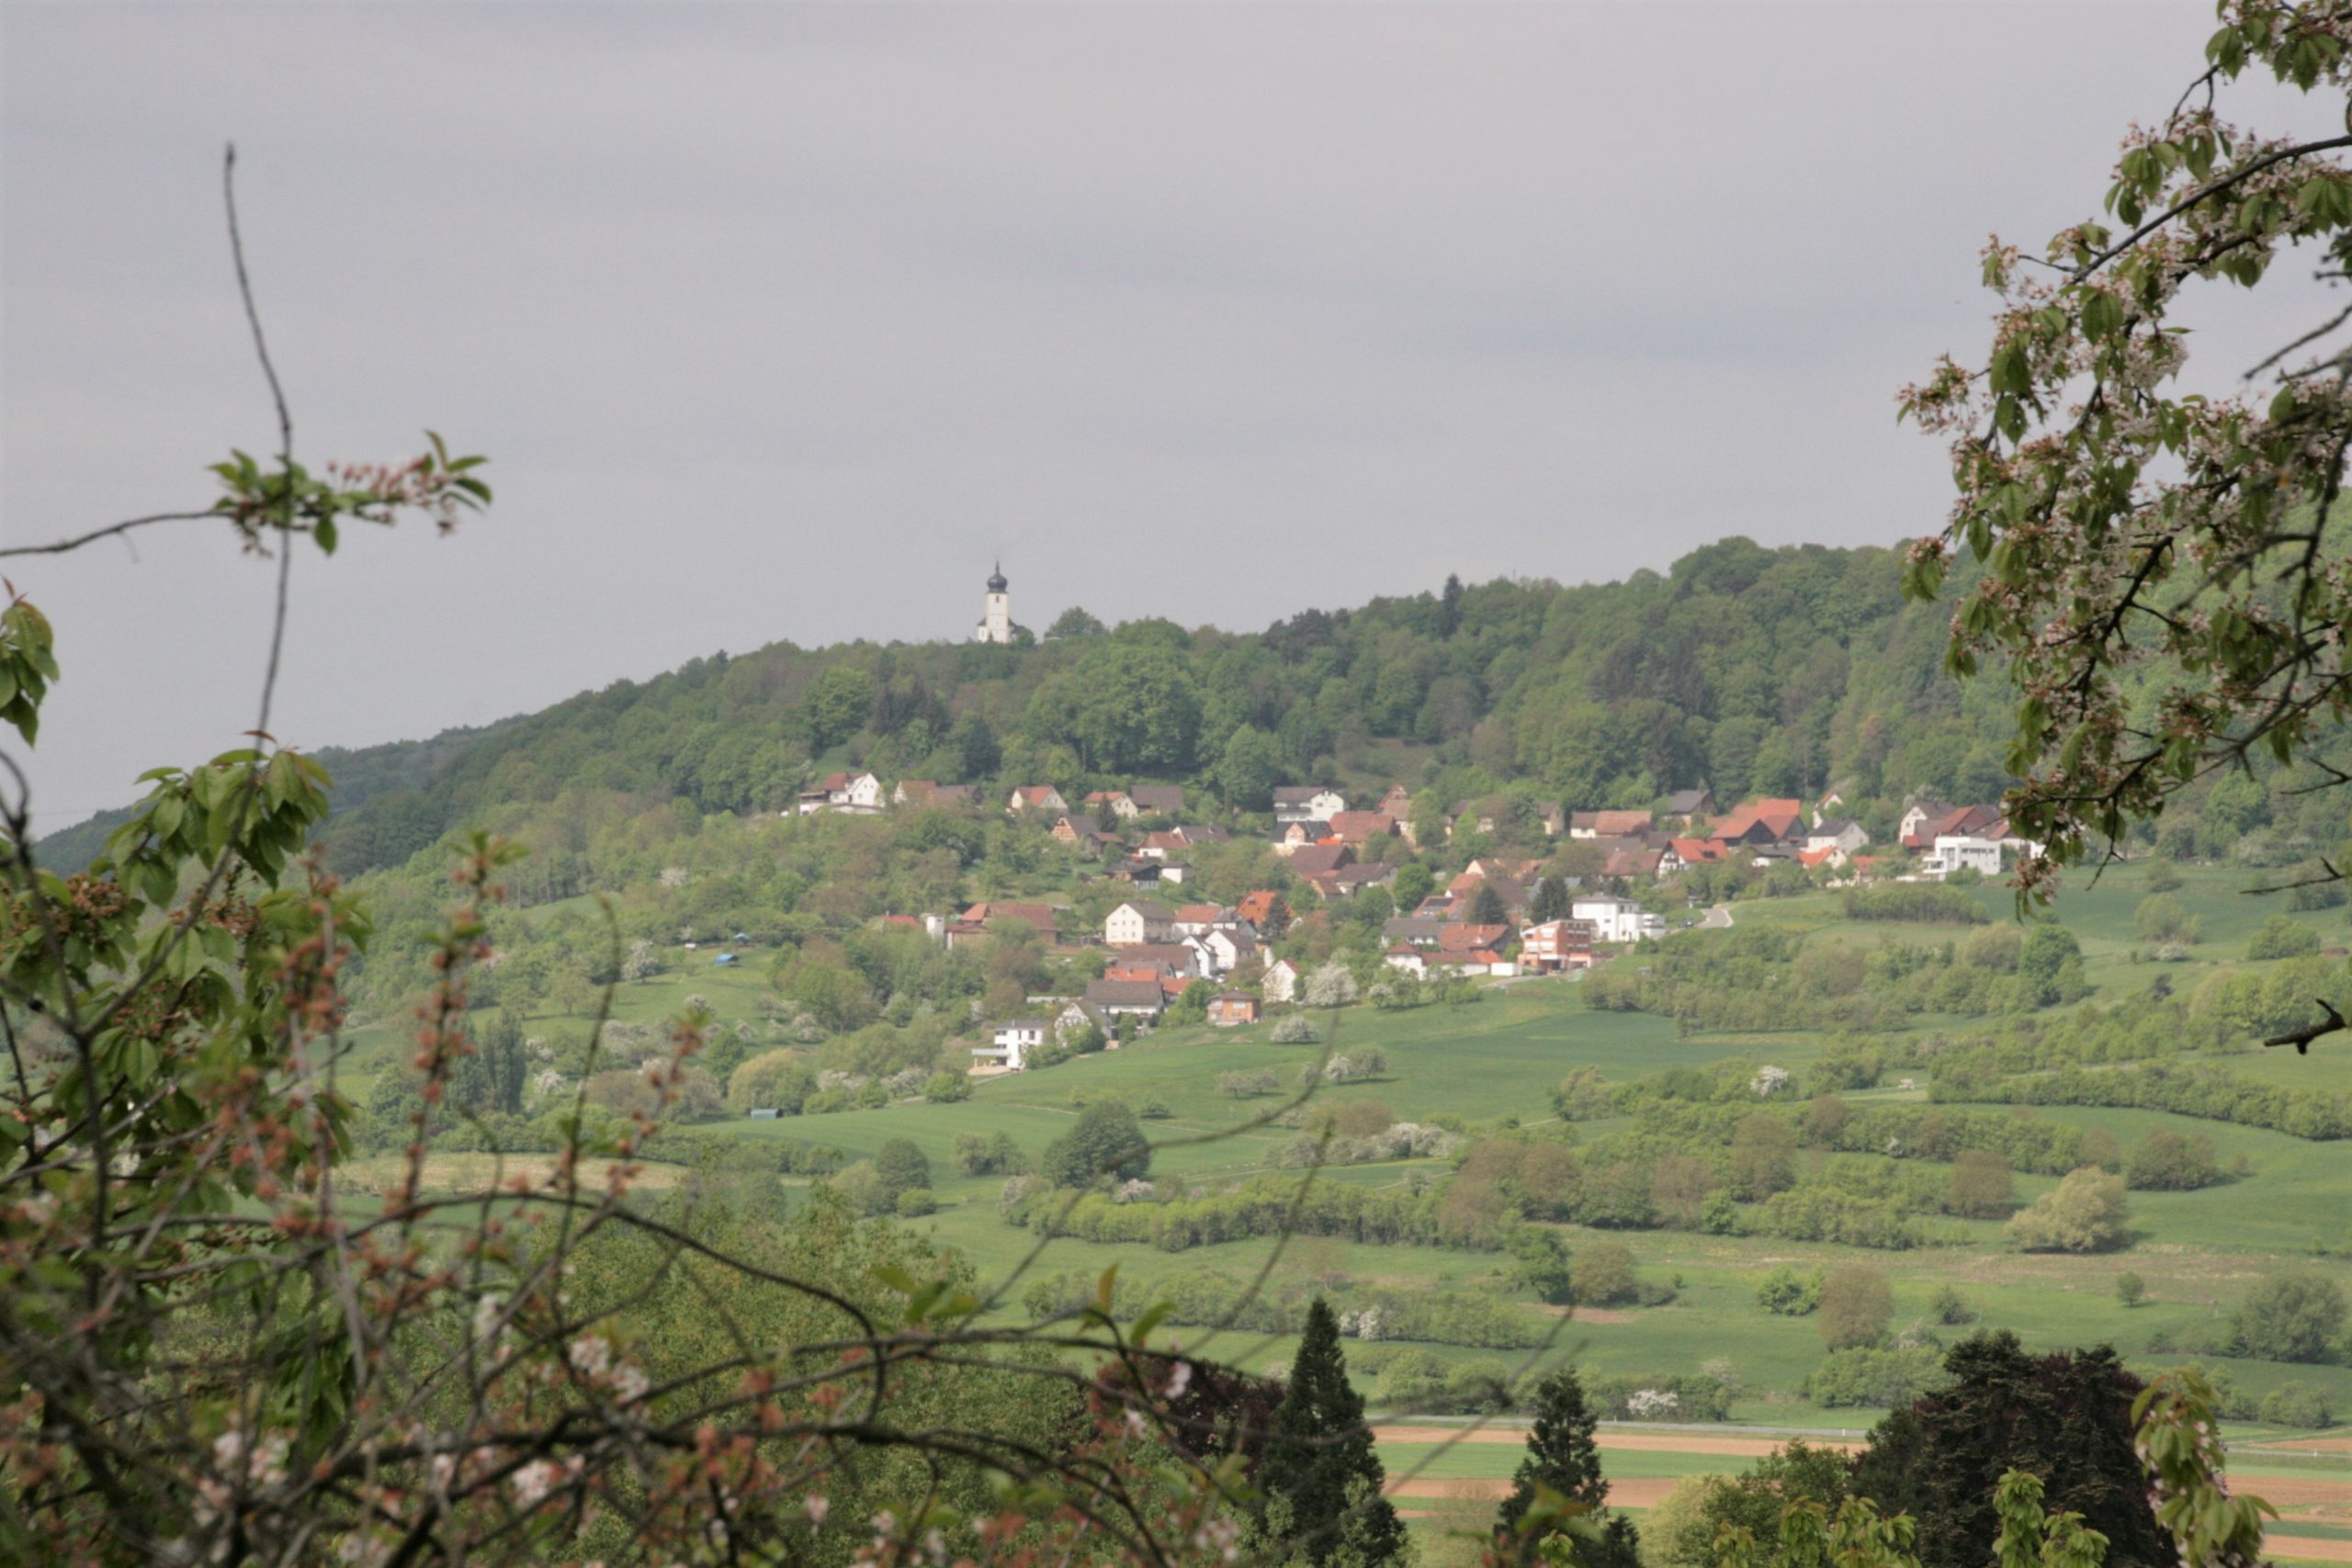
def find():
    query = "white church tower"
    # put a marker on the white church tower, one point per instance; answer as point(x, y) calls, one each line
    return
point(996, 617)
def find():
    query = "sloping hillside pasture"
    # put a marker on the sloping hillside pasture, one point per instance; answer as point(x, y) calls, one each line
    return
point(1499, 1059)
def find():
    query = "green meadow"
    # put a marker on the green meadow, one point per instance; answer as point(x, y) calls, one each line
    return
point(1495, 1063)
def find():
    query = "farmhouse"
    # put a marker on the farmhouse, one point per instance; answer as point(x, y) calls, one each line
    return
point(1035, 798)
point(860, 794)
point(1139, 921)
point(1121, 804)
point(1281, 981)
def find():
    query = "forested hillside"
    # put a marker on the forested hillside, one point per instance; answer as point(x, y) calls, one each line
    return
point(1771, 671)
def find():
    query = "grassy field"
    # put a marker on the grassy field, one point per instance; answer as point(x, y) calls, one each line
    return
point(1498, 1060)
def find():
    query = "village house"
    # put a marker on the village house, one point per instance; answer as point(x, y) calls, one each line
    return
point(1229, 948)
point(859, 795)
point(1351, 880)
point(1292, 837)
point(1075, 1018)
point(1462, 937)
point(1010, 1046)
point(1405, 958)
point(1143, 874)
point(1228, 1009)
point(1035, 798)
point(1635, 862)
point(1308, 802)
point(1197, 919)
point(1688, 805)
point(1140, 999)
point(1921, 827)
point(1160, 845)
point(1191, 957)
point(1607, 824)
point(1121, 804)
point(1556, 945)
point(1268, 913)
point(1469, 819)
point(981, 920)
point(1842, 834)
point(1414, 930)
point(1203, 833)
point(1360, 827)
point(1079, 832)
point(1616, 919)
point(1281, 981)
point(1314, 860)
point(1157, 800)
point(1682, 853)
point(924, 792)
point(1137, 922)
point(1960, 852)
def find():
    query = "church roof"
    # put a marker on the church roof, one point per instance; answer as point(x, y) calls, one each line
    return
point(996, 579)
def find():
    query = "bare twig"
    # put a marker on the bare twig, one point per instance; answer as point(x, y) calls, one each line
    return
point(2300, 1039)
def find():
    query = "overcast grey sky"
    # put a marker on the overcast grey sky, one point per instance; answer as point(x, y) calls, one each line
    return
point(784, 322)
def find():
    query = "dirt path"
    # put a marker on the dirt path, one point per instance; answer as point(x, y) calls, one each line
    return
point(2310, 1548)
point(1640, 1493)
point(1636, 1442)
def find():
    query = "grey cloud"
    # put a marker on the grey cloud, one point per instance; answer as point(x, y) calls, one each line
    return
point(783, 321)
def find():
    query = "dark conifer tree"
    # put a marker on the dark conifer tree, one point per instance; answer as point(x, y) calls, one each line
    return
point(1486, 907)
point(1551, 901)
point(1319, 1447)
point(1449, 607)
point(1562, 1458)
point(2065, 1416)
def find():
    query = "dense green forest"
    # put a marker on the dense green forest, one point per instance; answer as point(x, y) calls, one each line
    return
point(1751, 670)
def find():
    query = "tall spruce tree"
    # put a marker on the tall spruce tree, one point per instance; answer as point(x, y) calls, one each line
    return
point(1562, 1458)
point(1551, 901)
point(1319, 1459)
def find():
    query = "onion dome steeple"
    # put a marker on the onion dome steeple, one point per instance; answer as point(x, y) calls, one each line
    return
point(996, 580)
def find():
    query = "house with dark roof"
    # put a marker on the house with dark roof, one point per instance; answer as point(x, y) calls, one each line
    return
point(1308, 802)
point(1157, 800)
point(1314, 860)
point(1415, 931)
point(1081, 833)
point(1688, 803)
point(1126, 998)
point(1139, 921)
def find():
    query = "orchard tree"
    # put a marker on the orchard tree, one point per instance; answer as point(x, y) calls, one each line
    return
point(2152, 566)
point(2294, 1315)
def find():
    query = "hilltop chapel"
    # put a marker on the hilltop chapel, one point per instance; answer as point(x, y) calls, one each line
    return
point(996, 613)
